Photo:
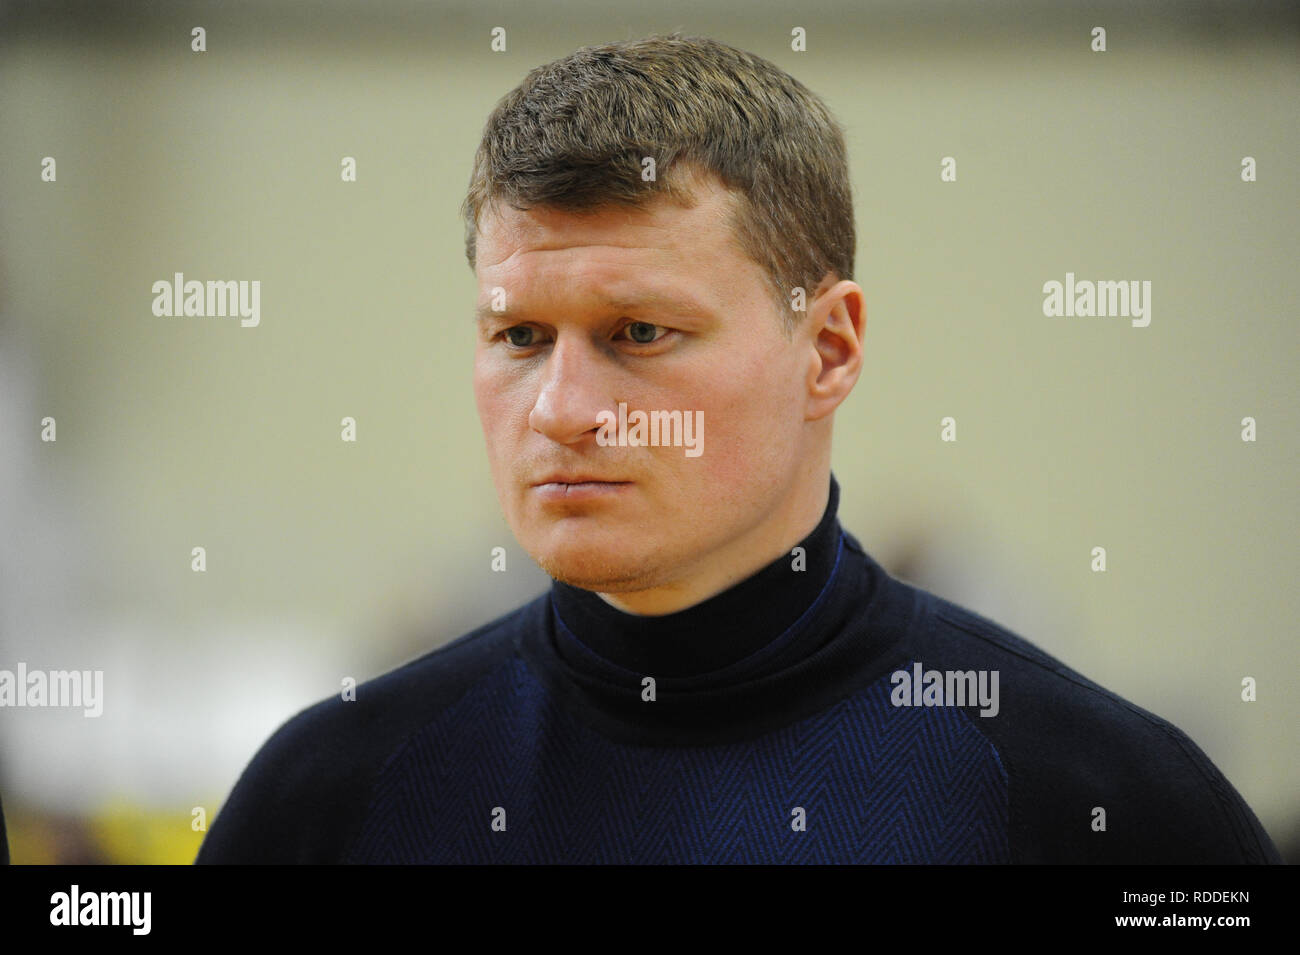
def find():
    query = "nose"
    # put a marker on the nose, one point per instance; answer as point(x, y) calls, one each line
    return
point(569, 394)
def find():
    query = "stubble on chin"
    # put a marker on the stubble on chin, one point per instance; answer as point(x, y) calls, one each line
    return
point(598, 576)
point(619, 558)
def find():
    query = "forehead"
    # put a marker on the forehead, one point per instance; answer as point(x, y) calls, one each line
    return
point(610, 246)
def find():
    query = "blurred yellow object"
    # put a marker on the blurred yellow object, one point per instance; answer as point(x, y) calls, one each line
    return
point(130, 834)
point(121, 833)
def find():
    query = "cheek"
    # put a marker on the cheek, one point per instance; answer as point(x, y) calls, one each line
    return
point(492, 387)
point(504, 397)
point(489, 397)
point(751, 419)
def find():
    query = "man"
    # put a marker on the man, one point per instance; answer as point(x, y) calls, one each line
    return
point(663, 237)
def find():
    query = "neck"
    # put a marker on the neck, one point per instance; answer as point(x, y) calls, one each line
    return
point(740, 558)
point(761, 619)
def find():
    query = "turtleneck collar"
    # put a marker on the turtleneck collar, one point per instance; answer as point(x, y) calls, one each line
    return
point(750, 628)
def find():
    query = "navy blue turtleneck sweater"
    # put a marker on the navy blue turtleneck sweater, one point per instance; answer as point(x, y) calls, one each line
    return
point(807, 714)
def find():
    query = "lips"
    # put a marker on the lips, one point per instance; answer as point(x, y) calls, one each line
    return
point(577, 479)
point(577, 490)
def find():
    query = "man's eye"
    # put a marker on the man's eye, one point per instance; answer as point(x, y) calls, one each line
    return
point(521, 336)
point(643, 333)
point(640, 333)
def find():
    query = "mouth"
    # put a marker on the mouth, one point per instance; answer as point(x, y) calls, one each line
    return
point(577, 487)
point(576, 478)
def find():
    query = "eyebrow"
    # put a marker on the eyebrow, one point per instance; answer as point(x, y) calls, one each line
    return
point(636, 302)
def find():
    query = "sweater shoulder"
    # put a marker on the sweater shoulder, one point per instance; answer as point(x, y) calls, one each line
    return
point(1080, 756)
point(305, 791)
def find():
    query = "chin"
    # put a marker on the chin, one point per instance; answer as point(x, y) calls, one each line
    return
point(612, 569)
point(593, 572)
point(602, 584)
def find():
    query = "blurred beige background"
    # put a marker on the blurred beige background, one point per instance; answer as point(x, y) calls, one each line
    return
point(327, 559)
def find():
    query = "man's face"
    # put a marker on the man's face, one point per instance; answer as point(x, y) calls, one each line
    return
point(655, 308)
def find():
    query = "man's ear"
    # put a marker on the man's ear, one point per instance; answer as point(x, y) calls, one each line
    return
point(837, 318)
